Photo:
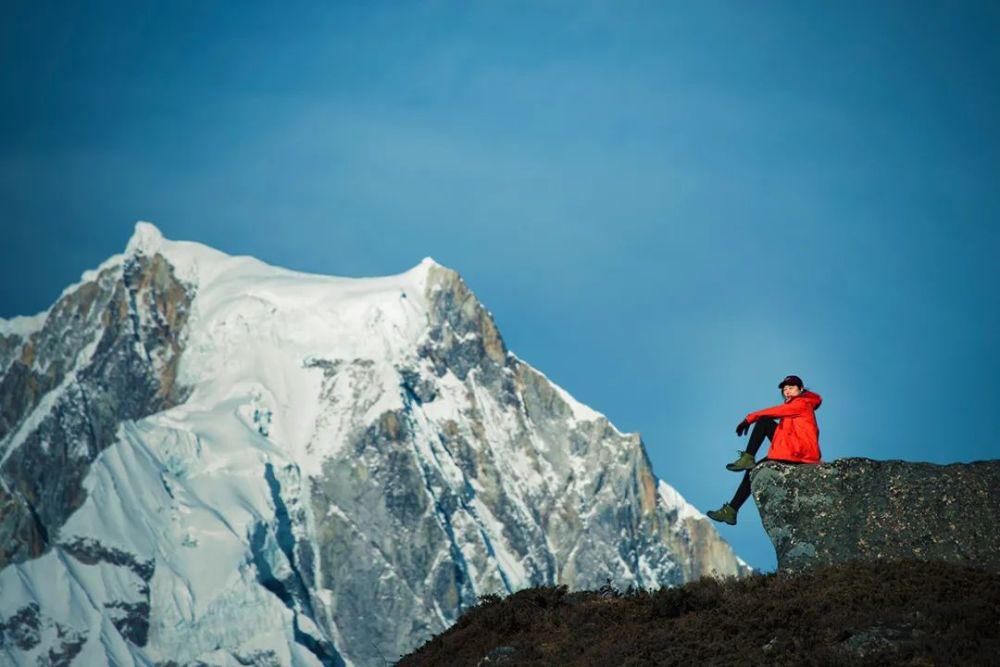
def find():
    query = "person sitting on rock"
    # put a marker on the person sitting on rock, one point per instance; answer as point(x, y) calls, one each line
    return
point(794, 439)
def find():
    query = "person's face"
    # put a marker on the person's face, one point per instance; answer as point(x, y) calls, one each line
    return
point(790, 391)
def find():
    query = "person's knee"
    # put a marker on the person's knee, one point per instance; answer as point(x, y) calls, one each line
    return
point(765, 423)
point(766, 427)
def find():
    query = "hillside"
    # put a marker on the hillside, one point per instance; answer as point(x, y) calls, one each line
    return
point(901, 612)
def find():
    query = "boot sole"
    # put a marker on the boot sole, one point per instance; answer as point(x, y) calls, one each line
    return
point(723, 521)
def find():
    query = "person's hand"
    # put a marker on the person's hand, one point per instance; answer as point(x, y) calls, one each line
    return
point(742, 427)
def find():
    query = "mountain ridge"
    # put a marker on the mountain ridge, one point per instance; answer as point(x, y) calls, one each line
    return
point(362, 458)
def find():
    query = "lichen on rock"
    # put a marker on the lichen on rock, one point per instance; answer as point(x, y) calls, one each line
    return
point(862, 509)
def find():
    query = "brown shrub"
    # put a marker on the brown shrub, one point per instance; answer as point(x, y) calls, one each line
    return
point(901, 612)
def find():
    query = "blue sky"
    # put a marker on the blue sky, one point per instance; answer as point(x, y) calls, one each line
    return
point(666, 206)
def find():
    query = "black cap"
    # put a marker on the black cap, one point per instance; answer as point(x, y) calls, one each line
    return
point(791, 379)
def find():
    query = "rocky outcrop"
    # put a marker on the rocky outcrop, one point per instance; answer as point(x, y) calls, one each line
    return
point(107, 352)
point(861, 509)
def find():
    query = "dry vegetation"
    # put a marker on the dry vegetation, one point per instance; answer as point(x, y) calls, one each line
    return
point(904, 612)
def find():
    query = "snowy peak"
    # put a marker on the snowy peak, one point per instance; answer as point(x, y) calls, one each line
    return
point(200, 264)
point(427, 263)
point(145, 240)
point(231, 462)
point(675, 502)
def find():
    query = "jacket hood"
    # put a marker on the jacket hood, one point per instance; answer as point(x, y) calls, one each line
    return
point(814, 399)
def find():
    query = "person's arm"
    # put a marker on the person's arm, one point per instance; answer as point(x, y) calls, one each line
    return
point(792, 408)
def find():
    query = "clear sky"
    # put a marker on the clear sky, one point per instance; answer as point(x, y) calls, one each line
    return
point(666, 206)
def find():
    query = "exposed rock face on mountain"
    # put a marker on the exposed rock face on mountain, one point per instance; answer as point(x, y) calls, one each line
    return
point(205, 458)
point(860, 509)
point(107, 352)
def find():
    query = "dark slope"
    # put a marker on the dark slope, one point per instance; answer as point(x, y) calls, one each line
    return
point(902, 612)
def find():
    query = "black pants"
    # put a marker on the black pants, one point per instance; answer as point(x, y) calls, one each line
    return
point(761, 428)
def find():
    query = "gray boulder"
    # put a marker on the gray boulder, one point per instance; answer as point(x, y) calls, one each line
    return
point(862, 509)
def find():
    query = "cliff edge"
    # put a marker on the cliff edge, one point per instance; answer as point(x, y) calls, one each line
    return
point(862, 509)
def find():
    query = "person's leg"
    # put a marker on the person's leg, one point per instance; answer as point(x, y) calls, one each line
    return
point(742, 492)
point(762, 428)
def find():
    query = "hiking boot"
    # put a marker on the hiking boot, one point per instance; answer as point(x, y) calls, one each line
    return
point(744, 462)
point(725, 514)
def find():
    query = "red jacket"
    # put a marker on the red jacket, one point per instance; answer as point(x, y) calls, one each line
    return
point(797, 436)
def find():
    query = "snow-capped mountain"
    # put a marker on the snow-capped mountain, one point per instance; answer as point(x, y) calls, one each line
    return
point(206, 458)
